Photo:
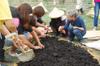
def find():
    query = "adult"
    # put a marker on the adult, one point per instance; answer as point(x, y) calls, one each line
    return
point(57, 20)
point(75, 26)
point(96, 4)
point(5, 14)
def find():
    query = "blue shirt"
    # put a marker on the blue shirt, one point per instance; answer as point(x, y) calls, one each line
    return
point(78, 22)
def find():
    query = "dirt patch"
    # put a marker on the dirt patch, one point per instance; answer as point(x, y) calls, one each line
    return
point(61, 53)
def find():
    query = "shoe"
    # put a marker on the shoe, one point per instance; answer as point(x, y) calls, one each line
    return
point(83, 41)
point(4, 61)
point(95, 28)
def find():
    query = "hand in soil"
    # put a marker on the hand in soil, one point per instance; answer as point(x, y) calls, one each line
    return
point(41, 45)
point(37, 47)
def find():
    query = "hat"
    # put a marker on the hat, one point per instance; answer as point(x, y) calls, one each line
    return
point(40, 4)
point(56, 13)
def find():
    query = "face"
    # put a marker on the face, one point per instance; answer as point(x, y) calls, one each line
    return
point(71, 18)
point(39, 14)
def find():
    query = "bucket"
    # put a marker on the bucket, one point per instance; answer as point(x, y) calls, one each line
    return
point(26, 56)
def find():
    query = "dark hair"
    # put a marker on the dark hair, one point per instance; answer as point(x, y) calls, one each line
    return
point(56, 22)
point(15, 13)
point(25, 10)
point(38, 11)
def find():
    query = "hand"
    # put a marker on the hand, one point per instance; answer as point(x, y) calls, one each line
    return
point(46, 27)
point(60, 28)
point(41, 45)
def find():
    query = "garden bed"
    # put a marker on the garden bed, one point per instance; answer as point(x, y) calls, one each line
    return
point(61, 53)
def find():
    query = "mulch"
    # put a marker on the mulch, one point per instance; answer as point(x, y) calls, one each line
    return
point(61, 53)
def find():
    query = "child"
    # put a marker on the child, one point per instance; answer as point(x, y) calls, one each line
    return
point(56, 20)
point(38, 12)
point(25, 27)
point(75, 26)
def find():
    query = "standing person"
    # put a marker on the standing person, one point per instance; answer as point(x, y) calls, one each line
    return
point(75, 26)
point(5, 15)
point(79, 6)
point(96, 4)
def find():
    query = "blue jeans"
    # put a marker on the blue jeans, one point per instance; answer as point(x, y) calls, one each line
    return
point(96, 13)
point(75, 33)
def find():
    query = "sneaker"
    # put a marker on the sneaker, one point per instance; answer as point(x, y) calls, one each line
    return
point(4, 61)
point(95, 28)
point(83, 41)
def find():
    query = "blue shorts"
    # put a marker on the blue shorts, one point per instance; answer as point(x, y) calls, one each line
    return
point(26, 34)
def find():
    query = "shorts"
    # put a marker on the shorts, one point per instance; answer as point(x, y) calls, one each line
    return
point(8, 42)
point(27, 35)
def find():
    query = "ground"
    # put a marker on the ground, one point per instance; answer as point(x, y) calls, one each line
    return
point(61, 53)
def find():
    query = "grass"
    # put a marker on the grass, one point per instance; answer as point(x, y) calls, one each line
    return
point(65, 7)
point(88, 21)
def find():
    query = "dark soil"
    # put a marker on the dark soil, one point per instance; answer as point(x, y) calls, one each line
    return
point(61, 53)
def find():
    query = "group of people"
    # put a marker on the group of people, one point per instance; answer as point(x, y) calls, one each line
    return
point(19, 26)
point(27, 23)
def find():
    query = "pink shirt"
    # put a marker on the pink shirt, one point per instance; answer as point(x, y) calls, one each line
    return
point(97, 0)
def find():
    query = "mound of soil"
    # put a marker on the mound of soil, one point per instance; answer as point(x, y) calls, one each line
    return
point(61, 53)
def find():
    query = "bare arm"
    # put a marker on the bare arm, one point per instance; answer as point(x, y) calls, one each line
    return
point(35, 36)
point(41, 25)
point(29, 44)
